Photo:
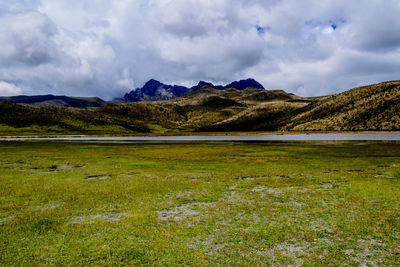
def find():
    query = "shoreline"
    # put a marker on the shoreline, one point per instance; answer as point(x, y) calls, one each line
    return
point(243, 137)
point(182, 134)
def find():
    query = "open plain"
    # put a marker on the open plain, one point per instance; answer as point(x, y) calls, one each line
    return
point(300, 203)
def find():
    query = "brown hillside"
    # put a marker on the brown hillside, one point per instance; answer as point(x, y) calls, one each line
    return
point(373, 107)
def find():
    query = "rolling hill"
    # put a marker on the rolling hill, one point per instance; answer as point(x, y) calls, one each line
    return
point(373, 107)
point(51, 100)
point(17, 119)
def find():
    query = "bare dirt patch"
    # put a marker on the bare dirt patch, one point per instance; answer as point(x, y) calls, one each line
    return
point(263, 190)
point(98, 177)
point(19, 162)
point(107, 217)
point(350, 171)
point(4, 219)
point(181, 212)
point(48, 206)
point(69, 167)
point(290, 203)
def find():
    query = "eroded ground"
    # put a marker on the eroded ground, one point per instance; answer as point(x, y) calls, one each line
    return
point(296, 203)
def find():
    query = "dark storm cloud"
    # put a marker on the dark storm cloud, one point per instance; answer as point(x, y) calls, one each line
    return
point(106, 48)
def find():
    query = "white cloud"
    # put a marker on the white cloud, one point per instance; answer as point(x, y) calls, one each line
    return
point(9, 89)
point(104, 48)
point(126, 81)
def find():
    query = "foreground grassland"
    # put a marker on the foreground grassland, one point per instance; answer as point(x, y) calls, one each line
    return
point(200, 204)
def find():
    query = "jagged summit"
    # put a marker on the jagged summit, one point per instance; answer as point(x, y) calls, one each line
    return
point(151, 86)
point(154, 90)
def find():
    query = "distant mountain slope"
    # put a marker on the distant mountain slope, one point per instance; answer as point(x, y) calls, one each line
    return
point(203, 108)
point(373, 107)
point(59, 101)
point(154, 90)
point(19, 119)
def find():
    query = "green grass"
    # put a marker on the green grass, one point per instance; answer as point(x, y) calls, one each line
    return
point(44, 131)
point(158, 129)
point(271, 203)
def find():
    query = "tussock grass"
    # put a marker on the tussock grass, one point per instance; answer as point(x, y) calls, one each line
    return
point(299, 203)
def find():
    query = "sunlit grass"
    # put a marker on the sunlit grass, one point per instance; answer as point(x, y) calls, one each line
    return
point(200, 204)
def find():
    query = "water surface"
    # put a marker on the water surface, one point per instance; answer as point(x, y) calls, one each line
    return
point(227, 138)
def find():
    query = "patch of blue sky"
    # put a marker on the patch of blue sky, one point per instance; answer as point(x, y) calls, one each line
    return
point(334, 24)
point(261, 30)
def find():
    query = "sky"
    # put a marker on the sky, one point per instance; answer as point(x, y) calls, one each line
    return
point(106, 48)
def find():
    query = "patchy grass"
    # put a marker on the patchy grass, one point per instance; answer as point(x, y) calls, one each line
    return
point(271, 203)
point(45, 131)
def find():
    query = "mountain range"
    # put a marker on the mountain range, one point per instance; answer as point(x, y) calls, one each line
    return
point(374, 107)
point(154, 90)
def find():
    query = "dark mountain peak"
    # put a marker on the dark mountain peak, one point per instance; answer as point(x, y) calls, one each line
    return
point(147, 92)
point(152, 82)
point(154, 90)
point(151, 87)
point(200, 85)
point(243, 84)
point(203, 83)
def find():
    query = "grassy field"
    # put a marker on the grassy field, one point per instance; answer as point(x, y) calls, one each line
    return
point(200, 204)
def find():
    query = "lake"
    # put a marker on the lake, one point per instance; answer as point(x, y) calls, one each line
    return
point(228, 138)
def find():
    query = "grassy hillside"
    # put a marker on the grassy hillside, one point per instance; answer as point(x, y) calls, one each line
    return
point(24, 120)
point(200, 110)
point(374, 107)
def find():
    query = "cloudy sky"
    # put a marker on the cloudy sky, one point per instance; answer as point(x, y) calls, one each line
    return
point(105, 48)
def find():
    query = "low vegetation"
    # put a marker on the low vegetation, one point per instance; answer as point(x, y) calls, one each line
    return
point(374, 107)
point(24, 120)
point(369, 108)
point(317, 203)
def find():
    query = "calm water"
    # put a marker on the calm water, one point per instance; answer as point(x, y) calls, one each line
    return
point(238, 138)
